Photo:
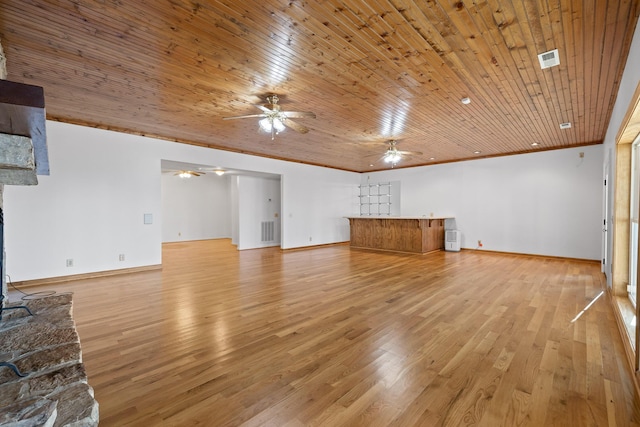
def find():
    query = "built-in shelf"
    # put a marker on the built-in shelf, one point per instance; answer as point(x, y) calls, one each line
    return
point(375, 199)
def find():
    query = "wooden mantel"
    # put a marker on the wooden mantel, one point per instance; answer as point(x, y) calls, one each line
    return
point(401, 234)
point(22, 134)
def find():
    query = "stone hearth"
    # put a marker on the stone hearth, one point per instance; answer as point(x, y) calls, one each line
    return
point(46, 348)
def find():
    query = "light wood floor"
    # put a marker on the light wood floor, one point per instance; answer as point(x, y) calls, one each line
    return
point(333, 336)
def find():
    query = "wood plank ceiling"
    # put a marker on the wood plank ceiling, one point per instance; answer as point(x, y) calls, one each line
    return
point(371, 70)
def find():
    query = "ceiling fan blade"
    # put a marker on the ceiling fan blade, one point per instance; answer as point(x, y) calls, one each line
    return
point(295, 126)
point(299, 114)
point(368, 143)
point(244, 117)
point(265, 109)
point(411, 153)
point(188, 172)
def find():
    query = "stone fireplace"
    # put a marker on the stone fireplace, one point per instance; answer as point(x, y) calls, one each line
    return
point(45, 348)
point(42, 378)
point(23, 142)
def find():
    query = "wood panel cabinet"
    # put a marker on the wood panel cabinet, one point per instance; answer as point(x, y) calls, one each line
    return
point(417, 235)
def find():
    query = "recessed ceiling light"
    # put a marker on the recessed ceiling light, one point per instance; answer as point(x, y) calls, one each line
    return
point(566, 125)
point(534, 143)
point(476, 152)
point(466, 101)
point(432, 158)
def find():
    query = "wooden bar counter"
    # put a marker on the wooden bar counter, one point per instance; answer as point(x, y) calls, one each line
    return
point(402, 234)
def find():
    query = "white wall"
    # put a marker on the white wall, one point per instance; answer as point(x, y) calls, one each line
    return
point(235, 210)
point(628, 84)
point(196, 208)
point(546, 203)
point(91, 206)
point(319, 218)
point(258, 201)
point(90, 209)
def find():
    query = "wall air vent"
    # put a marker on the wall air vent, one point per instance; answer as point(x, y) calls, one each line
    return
point(267, 231)
point(549, 59)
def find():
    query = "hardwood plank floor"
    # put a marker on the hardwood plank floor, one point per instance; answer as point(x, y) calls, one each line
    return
point(334, 336)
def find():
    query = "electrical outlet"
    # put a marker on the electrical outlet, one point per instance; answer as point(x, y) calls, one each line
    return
point(70, 262)
point(479, 243)
point(121, 257)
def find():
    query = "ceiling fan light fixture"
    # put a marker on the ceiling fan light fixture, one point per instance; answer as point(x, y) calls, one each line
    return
point(219, 172)
point(184, 174)
point(268, 124)
point(265, 124)
point(392, 156)
point(277, 123)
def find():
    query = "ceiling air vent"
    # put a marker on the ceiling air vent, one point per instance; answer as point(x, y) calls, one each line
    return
point(566, 125)
point(549, 59)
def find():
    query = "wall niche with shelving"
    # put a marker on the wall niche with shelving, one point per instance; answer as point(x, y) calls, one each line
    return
point(379, 198)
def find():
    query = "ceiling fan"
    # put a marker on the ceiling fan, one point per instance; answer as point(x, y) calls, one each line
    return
point(393, 155)
point(189, 173)
point(274, 120)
